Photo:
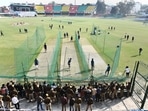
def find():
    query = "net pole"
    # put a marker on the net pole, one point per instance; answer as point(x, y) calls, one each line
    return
point(65, 57)
point(25, 79)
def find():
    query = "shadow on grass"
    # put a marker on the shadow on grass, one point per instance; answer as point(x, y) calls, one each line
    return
point(129, 42)
point(135, 55)
point(37, 53)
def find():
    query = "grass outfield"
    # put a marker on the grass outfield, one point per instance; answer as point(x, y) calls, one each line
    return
point(129, 52)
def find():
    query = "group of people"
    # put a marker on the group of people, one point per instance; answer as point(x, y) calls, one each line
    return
point(127, 70)
point(66, 95)
point(127, 36)
point(107, 71)
point(25, 30)
point(111, 28)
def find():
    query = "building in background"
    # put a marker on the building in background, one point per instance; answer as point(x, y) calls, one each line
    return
point(23, 10)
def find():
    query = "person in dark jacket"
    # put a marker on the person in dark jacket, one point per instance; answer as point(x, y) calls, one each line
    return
point(92, 64)
point(71, 103)
point(45, 47)
point(107, 70)
point(39, 102)
point(36, 63)
point(64, 101)
point(69, 62)
point(140, 50)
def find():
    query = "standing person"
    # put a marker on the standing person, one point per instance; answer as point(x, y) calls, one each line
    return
point(20, 30)
point(15, 101)
point(78, 102)
point(71, 38)
point(26, 30)
point(64, 35)
point(67, 34)
point(94, 92)
point(36, 63)
point(64, 101)
point(39, 102)
point(140, 50)
point(2, 34)
point(62, 27)
point(45, 47)
point(78, 36)
point(127, 71)
point(47, 102)
point(69, 62)
point(107, 70)
point(89, 104)
point(92, 64)
point(71, 103)
point(86, 29)
point(133, 38)
point(1, 101)
point(7, 101)
point(127, 37)
point(80, 29)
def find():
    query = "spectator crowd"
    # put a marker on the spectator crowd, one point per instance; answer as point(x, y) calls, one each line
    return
point(66, 95)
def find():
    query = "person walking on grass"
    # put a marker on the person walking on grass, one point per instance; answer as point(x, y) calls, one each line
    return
point(1, 32)
point(127, 71)
point(133, 39)
point(140, 51)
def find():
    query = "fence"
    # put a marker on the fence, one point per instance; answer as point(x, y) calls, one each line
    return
point(22, 57)
point(105, 41)
point(139, 89)
point(25, 54)
point(110, 46)
point(83, 64)
point(54, 69)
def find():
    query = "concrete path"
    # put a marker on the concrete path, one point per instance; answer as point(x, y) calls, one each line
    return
point(68, 51)
point(90, 52)
point(44, 61)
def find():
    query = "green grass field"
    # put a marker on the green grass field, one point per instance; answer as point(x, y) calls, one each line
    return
point(129, 51)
